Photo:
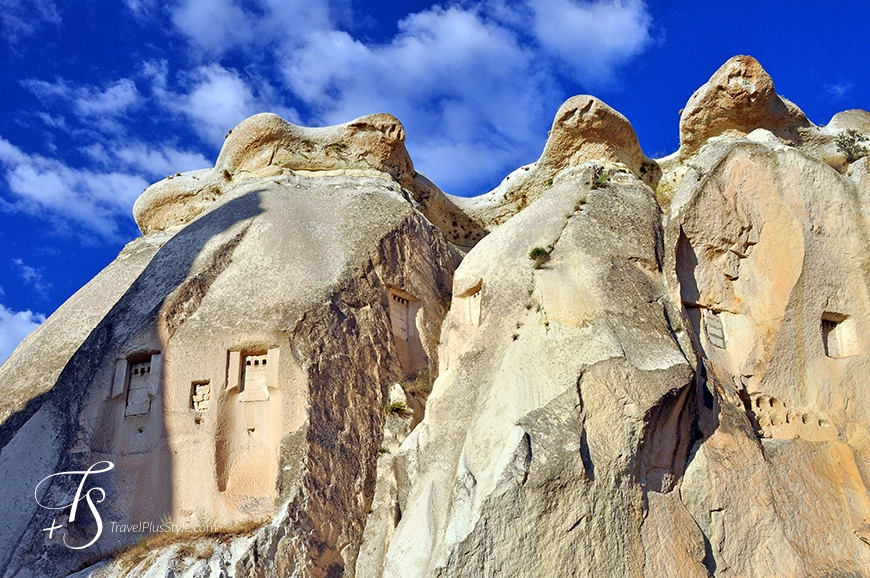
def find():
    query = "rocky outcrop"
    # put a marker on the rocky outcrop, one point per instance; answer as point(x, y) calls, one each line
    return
point(642, 368)
point(585, 129)
point(770, 246)
point(238, 373)
point(266, 145)
point(646, 401)
point(555, 413)
point(736, 100)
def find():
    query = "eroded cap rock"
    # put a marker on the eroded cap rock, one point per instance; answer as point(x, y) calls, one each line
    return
point(738, 98)
point(585, 129)
point(376, 141)
point(266, 144)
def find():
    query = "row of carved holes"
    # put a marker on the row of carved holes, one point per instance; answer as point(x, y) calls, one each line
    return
point(256, 362)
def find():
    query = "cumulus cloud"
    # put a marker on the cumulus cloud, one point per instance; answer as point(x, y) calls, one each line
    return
point(15, 326)
point(213, 99)
point(450, 75)
point(218, 100)
point(591, 39)
point(19, 18)
point(47, 187)
point(475, 83)
point(215, 27)
point(159, 161)
point(474, 93)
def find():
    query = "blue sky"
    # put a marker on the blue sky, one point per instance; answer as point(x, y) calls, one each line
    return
point(100, 99)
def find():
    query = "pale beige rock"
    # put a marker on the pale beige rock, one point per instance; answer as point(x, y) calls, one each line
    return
point(770, 249)
point(266, 146)
point(233, 374)
point(855, 119)
point(737, 99)
point(660, 394)
point(375, 142)
point(546, 396)
point(584, 129)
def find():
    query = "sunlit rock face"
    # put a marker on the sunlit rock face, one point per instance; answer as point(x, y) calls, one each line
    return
point(641, 367)
point(243, 364)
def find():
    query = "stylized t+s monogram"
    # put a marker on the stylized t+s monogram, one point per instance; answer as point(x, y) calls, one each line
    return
point(76, 500)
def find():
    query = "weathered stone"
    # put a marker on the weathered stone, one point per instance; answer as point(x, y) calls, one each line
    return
point(584, 129)
point(792, 365)
point(737, 99)
point(277, 297)
point(621, 390)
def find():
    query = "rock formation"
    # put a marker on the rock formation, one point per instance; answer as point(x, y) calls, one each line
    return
point(641, 367)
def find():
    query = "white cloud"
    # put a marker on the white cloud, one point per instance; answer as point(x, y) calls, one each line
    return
point(20, 18)
point(591, 38)
point(219, 100)
point(475, 86)
point(215, 99)
point(464, 87)
point(475, 83)
point(141, 8)
point(15, 326)
point(838, 91)
point(100, 107)
point(48, 187)
point(215, 27)
point(153, 161)
point(159, 161)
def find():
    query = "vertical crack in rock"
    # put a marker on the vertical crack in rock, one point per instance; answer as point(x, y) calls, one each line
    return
point(342, 342)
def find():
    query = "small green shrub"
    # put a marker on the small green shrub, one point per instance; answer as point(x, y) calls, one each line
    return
point(399, 408)
point(850, 143)
point(601, 179)
point(540, 256)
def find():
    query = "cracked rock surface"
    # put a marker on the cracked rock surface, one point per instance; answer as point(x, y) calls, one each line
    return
point(607, 366)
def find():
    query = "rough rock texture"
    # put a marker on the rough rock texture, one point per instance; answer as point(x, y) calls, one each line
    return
point(584, 129)
point(239, 366)
point(855, 119)
point(647, 368)
point(537, 449)
point(771, 260)
point(265, 145)
point(676, 400)
point(739, 98)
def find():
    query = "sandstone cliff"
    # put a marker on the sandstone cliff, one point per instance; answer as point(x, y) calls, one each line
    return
point(644, 367)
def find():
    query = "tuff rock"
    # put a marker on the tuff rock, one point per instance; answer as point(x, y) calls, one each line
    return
point(607, 366)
